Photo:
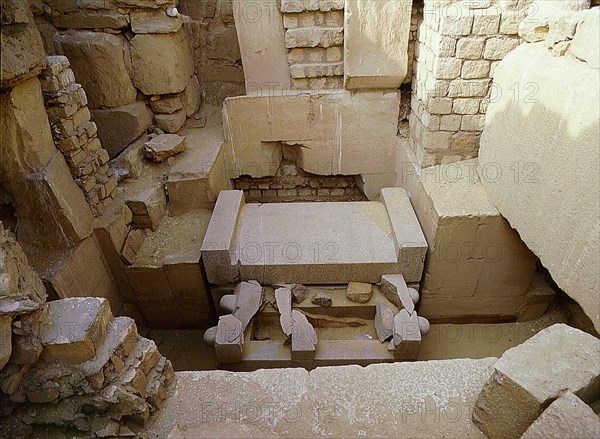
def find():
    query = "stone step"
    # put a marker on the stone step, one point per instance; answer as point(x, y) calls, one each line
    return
point(313, 243)
point(199, 173)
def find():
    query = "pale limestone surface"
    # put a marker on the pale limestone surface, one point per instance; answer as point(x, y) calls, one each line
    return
point(336, 132)
point(567, 416)
point(530, 376)
point(553, 199)
point(376, 43)
point(344, 401)
point(260, 31)
point(586, 40)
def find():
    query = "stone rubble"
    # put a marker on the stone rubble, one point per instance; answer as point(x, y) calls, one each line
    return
point(164, 146)
point(394, 288)
point(304, 337)
point(321, 299)
point(283, 296)
point(359, 292)
point(384, 321)
point(75, 135)
point(229, 339)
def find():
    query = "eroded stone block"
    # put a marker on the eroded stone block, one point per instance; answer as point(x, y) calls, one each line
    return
point(304, 337)
point(164, 146)
point(229, 339)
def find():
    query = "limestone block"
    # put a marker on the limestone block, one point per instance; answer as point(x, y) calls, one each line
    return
point(319, 5)
point(161, 63)
point(91, 20)
point(148, 207)
point(376, 43)
point(132, 245)
point(154, 22)
point(192, 96)
point(498, 48)
point(118, 127)
point(283, 296)
point(23, 54)
point(304, 337)
point(409, 240)
point(407, 336)
point(185, 277)
point(538, 297)
point(564, 232)
point(149, 4)
point(98, 61)
point(262, 46)
point(359, 292)
point(70, 328)
point(528, 377)
point(352, 134)
point(384, 321)
point(229, 339)
point(314, 37)
point(321, 299)
point(170, 123)
point(567, 416)
point(586, 40)
point(164, 146)
point(167, 104)
point(393, 288)
point(218, 245)
point(27, 144)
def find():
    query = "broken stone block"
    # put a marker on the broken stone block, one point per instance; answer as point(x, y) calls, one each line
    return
point(5, 338)
point(407, 335)
point(118, 127)
point(229, 339)
point(304, 337)
point(299, 293)
point(529, 376)
point(424, 325)
point(283, 296)
point(98, 61)
point(394, 288)
point(132, 245)
point(567, 416)
point(167, 104)
point(228, 302)
point(192, 96)
point(154, 22)
point(210, 335)
point(161, 63)
point(170, 123)
point(384, 321)
point(321, 299)
point(164, 146)
point(148, 207)
point(359, 292)
point(70, 328)
point(249, 299)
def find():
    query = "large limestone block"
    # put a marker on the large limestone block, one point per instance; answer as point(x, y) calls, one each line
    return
point(118, 127)
point(98, 61)
point(23, 53)
point(26, 144)
point(260, 34)
point(70, 328)
point(51, 209)
point(376, 43)
point(567, 416)
point(333, 132)
point(543, 173)
point(528, 377)
point(587, 38)
point(476, 267)
point(161, 63)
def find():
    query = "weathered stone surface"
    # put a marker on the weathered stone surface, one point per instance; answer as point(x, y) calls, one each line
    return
point(192, 96)
point(567, 416)
point(376, 43)
point(321, 299)
point(91, 20)
point(170, 123)
point(23, 54)
point(299, 293)
point(304, 337)
point(167, 104)
point(249, 299)
point(393, 287)
point(132, 245)
point(161, 63)
point(229, 339)
point(153, 22)
point(70, 328)
point(5, 338)
point(407, 336)
point(98, 61)
point(120, 126)
point(564, 232)
point(529, 376)
point(283, 296)
point(261, 43)
point(164, 146)
point(359, 292)
point(384, 321)
point(586, 40)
